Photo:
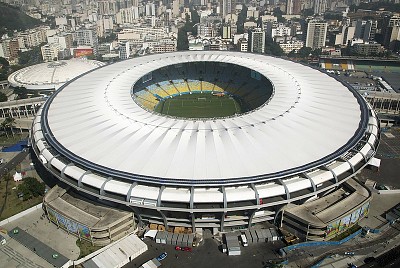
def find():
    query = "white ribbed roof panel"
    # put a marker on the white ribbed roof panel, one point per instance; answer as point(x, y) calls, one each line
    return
point(310, 116)
point(74, 172)
point(176, 195)
point(118, 187)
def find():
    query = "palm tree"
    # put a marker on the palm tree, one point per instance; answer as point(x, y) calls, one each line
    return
point(4, 127)
point(9, 123)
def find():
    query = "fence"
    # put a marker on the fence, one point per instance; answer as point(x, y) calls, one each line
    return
point(320, 243)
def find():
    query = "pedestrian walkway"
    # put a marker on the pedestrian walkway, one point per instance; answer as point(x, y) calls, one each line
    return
point(18, 257)
point(53, 257)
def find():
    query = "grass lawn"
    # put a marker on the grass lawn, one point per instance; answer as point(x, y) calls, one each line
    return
point(198, 105)
point(346, 233)
point(4, 140)
point(86, 248)
point(14, 205)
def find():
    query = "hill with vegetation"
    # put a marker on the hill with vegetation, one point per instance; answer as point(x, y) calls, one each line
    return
point(12, 18)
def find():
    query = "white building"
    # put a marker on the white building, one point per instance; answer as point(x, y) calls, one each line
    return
point(50, 52)
point(124, 50)
point(291, 45)
point(316, 34)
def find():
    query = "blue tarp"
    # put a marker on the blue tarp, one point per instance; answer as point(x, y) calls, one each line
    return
point(16, 147)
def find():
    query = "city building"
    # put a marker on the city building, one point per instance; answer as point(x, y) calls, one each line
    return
point(87, 37)
point(50, 52)
point(289, 46)
point(316, 34)
point(257, 40)
point(124, 50)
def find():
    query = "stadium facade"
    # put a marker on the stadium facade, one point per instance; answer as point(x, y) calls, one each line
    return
point(300, 136)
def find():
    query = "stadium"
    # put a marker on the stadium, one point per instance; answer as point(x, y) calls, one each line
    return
point(51, 75)
point(212, 141)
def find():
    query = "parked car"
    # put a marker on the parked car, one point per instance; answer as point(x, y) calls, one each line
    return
point(162, 256)
point(188, 249)
point(178, 248)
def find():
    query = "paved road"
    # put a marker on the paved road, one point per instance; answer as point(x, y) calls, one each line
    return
point(374, 247)
point(5, 168)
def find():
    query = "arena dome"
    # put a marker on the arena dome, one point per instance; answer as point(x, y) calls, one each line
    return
point(296, 132)
point(51, 75)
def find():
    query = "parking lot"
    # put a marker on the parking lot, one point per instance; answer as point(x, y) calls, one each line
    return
point(209, 255)
point(389, 153)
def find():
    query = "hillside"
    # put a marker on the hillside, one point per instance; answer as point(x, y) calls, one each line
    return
point(11, 18)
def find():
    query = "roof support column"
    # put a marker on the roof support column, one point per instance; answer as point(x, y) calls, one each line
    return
point(286, 189)
point(81, 177)
point(350, 164)
point(224, 197)
point(222, 221)
point(62, 171)
point(251, 218)
point(193, 222)
point(333, 173)
point(305, 175)
point(256, 193)
point(103, 185)
point(363, 155)
point(164, 219)
point(159, 196)
point(191, 197)
point(128, 196)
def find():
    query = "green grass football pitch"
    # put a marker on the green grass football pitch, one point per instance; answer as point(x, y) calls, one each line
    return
point(198, 105)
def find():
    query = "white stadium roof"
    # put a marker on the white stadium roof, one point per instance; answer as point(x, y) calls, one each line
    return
point(51, 75)
point(94, 121)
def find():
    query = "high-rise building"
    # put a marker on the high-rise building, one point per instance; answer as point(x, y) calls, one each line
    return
point(50, 52)
point(365, 30)
point(124, 50)
point(242, 45)
point(293, 7)
point(87, 37)
point(257, 40)
point(319, 6)
point(226, 32)
point(227, 7)
point(316, 34)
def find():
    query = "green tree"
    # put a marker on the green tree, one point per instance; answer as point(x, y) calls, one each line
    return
point(3, 97)
point(31, 187)
point(278, 14)
point(272, 48)
point(4, 62)
point(9, 123)
point(182, 42)
point(304, 52)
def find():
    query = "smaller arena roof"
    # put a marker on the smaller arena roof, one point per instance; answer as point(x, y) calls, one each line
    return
point(51, 75)
point(118, 254)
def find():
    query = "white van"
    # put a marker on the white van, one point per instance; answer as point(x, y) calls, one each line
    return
point(244, 240)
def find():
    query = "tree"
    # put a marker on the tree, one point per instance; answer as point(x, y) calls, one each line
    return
point(271, 47)
point(3, 97)
point(31, 187)
point(4, 62)
point(9, 123)
point(183, 42)
point(304, 52)
point(278, 14)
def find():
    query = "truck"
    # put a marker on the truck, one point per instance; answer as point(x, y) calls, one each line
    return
point(244, 240)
